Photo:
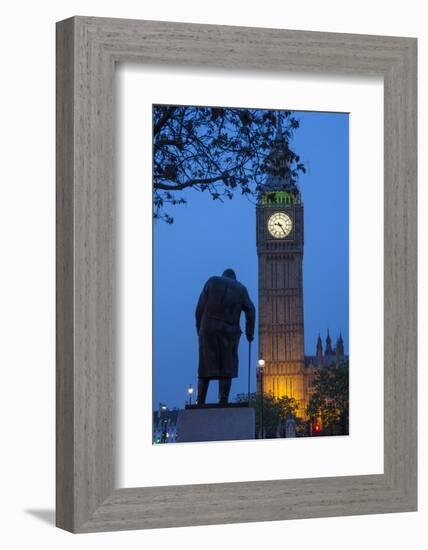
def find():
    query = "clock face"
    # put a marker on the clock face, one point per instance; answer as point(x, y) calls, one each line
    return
point(280, 225)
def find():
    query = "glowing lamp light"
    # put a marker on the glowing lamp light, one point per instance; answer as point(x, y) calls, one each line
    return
point(317, 428)
point(190, 392)
point(262, 363)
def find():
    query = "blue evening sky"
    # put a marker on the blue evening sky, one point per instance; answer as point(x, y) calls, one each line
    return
point(209, 236)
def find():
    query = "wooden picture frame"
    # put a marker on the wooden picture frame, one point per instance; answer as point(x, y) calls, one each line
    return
point(87, 50)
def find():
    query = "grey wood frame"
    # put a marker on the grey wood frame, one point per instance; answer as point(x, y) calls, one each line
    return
point(87, 50)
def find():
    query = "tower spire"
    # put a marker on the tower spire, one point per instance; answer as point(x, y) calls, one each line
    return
point(280, 185)
point(340, 351)
point(328, 349)
point(278, 159)
point(319, 351)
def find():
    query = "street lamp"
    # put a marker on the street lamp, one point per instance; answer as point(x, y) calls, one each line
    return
point(164, 423)
point(261, 368)
point(190, 392)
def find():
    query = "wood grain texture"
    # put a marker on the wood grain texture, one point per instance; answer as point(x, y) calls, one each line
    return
point(87, 50)
point(64, 278)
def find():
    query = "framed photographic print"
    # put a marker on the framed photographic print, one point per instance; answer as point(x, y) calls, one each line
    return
point(242, 185)
point(236, 274)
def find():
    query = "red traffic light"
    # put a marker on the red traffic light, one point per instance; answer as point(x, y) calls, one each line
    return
point(317, 428)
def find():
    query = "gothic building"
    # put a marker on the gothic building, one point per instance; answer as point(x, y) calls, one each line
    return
point(322, 358)
point(280, 247)
point(331, 356)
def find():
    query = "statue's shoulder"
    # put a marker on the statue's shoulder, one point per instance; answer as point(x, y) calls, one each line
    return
point(241, 287)
point(214, 280)
point(244, 293)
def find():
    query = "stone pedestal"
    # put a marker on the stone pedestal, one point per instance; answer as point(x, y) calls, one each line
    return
point(215, 423)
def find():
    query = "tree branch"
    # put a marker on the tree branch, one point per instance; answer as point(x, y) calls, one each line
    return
point(189, 183)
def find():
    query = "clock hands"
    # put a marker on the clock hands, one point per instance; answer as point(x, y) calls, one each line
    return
point(281, 226)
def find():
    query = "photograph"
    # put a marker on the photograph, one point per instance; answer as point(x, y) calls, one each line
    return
point(250, 273)
point(211, 309)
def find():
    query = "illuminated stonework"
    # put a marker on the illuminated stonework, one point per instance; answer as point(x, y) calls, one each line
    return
point(280, 246)
point(281, 323)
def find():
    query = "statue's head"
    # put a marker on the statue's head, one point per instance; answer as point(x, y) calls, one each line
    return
point(229, 273)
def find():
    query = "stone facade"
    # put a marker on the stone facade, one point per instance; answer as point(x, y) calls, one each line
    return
point(280, 259)
point(281, 323)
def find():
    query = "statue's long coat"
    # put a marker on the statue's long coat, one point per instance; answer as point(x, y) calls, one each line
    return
point(217, 322)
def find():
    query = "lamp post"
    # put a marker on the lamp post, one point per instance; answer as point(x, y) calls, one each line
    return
point(164, 423)
point(261, 367)
point(190, 392)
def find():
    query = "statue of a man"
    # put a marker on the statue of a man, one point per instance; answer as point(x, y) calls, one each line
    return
point(217, 322)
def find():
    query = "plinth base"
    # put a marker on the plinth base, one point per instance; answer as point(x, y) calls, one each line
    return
point(217, 405)
point(215, 424)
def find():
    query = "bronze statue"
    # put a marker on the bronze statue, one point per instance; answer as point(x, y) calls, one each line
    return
point(217, 323)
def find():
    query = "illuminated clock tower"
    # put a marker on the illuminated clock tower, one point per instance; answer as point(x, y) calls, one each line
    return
point(280, 241)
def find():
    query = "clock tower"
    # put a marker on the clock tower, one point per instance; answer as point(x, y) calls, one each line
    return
point(280, 241)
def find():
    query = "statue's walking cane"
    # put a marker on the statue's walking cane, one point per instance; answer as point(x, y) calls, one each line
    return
point(249, 369)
